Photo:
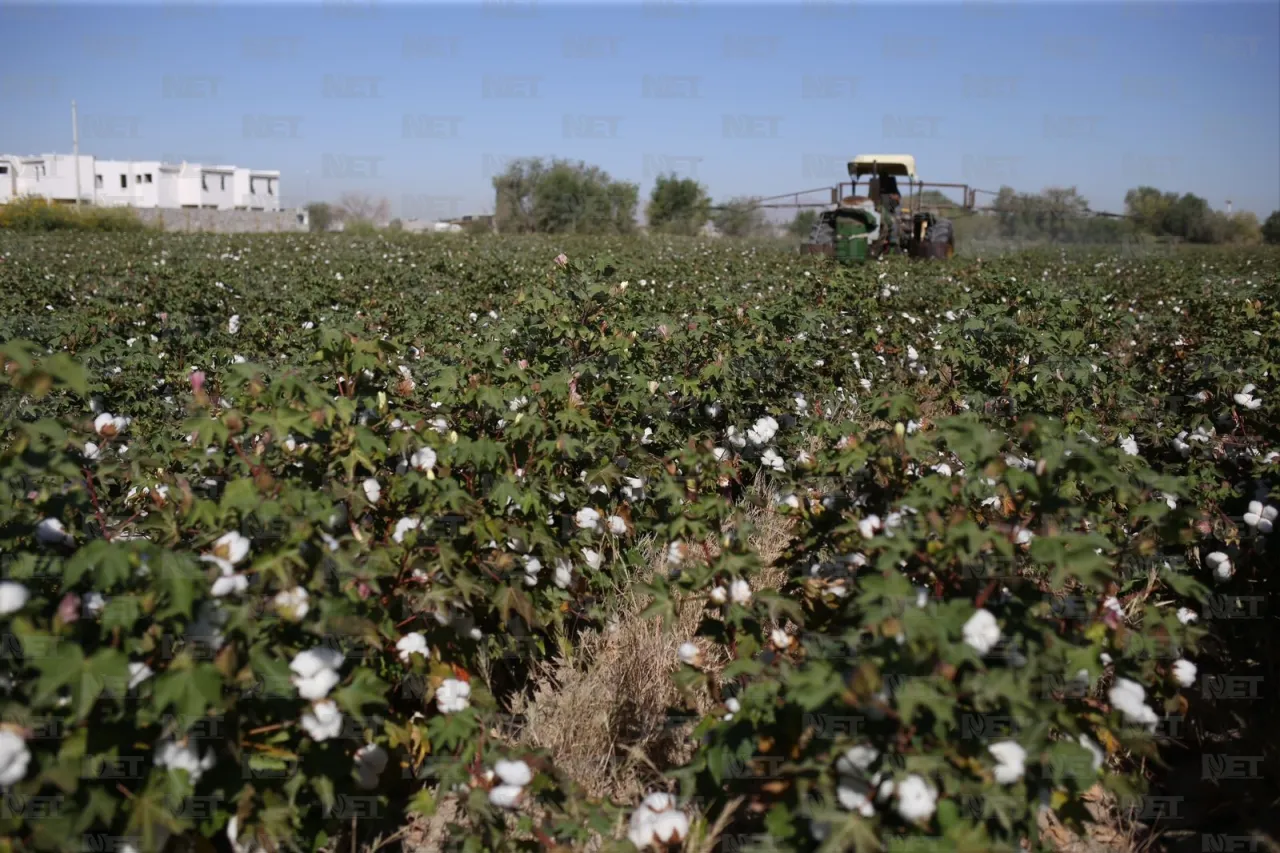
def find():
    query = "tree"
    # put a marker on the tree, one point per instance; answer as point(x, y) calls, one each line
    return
point(1271, 229)
point(319, 216)
point(678, 206)
point(1151, 210)
point(356, 207)
point(802, 224)
point(740, 217)
point(562, 198)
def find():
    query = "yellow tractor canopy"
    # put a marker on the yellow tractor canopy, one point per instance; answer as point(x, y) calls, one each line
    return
point(899, 165)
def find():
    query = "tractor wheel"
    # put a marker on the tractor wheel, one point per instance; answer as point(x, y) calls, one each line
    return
point(941, 240)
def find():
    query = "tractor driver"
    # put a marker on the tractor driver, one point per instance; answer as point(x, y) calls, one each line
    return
point(890, 199)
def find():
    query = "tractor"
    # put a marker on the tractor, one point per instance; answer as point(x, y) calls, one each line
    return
point(860, 227)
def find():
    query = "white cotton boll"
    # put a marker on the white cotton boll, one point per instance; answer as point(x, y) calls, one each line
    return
point(1094, 750)
point(513, 773)
point(91, 450)
point(982, 632)
point(670, 827)
point(594, 558)
point(1129, 698)
point(92, 605)
point(372, 490)
point(13, 597)
point(323, 721)
point(771, 459)
point(506, 796)
point(718, 595)
point(1261, 517)
point(233, 325)
point(15, 758)
point(676, 552)
point(453, 696)
point(917, 799)
point(857, 759)
point(763, 431)
point(231, 547)
point(51, 532)
point(563, 573)
point(1187, 616)
point(780, 638)
point(184, 756)
point(316, 671)
point(423, 459)
point(868, 526)
point(1184, 672)
point(138, 673)
point(412, 644)
point(736, 439)
point(587, 519)
point(617, 525)
point(688, 654)
point(370, 761)
point(1220, 565)
point(1129, 445)
point(922, 596)
point(403, 526)
point(740, 592)
point(1010, 761)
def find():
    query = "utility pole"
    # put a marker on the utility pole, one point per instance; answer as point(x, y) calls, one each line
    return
point(75, 150)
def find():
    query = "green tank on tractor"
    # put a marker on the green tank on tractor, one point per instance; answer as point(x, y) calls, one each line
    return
point(857, 228)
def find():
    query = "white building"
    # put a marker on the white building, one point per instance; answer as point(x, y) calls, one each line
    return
point(138, 183)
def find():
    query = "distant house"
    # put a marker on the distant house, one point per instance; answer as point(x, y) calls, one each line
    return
point(138, 183)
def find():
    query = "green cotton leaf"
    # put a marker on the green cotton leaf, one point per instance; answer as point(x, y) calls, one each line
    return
point(178, 578)
point(240, 495)
point(365, 689)
point(60, 664)
point(121, 611)
point(323, 786)
point(191, 691)
point(509, 599)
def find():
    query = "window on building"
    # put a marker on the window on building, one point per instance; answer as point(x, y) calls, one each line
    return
point(97, 181)
point(223, 182)
point(271, 187)
point(4, 170)
point(204, 182)
point(147, 177)
point(124, 182)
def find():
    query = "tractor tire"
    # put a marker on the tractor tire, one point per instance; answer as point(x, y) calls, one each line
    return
point(940, 240)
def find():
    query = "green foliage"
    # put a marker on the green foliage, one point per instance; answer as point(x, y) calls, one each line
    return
point(802, 224)
point(677, 206)
point(740, 217)
point(320, 217)
point(561, 197)
point(1271, 229)
point(399, 429)
point(36, 214)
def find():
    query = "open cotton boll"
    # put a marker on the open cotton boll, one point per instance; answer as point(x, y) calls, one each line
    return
point(1010, 761)
point(917, 799)
point(857, 759)
point(292, 603)
point(51, 532)
point(412, 644)
point(370, 761)
point(403, 526)
point(1129, 698)
point(323, 721)
point(13, 597)
point(513, 773)
point(372, 490)
point(453, 696)
point(15, 758)
point(763, 431)
point(316, 671)
point(1261, 517)
point(138, 673)
point(740, 592)
point(981, 632)
point(506, 796)
point(854, 795)
point(1220, 565)
point(1184, 672)
point(184, 756)
point(587, 519)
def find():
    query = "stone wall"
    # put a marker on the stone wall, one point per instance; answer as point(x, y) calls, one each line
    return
point(223, 221)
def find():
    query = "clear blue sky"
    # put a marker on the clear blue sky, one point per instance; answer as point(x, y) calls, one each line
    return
point(1103, 96)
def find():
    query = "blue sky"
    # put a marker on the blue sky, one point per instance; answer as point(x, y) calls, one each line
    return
point(421, 103)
